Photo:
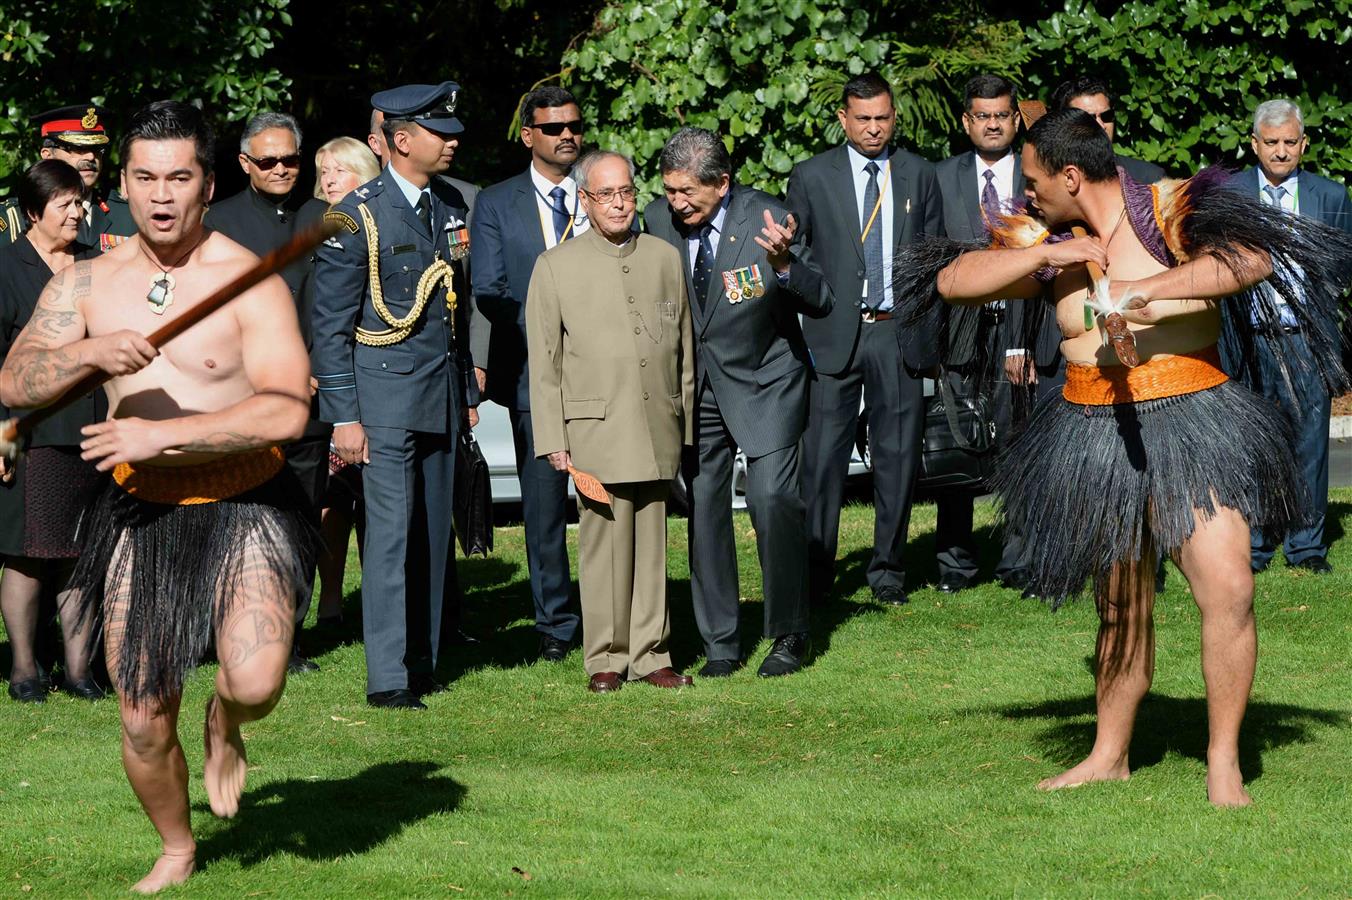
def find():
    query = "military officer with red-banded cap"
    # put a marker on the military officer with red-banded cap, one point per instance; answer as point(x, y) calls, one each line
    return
point(76, 135)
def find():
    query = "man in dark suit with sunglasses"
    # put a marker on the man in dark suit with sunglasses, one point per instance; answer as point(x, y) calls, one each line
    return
point(514, 222)
point(1091, 94)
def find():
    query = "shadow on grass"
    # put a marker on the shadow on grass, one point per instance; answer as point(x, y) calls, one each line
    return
point(331, 818)
point(1167, 725)
point(1333, 521)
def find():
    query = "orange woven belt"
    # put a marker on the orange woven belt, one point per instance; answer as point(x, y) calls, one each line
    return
point(1169, 376)
point(219, 479)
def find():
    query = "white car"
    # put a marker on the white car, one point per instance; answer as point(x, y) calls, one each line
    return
point(494, 434)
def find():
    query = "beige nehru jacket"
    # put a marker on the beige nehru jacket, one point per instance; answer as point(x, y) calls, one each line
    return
point(612, 363)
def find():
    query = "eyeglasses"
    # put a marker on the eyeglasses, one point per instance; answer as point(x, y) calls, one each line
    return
point(1106, 117)
point(554, 129)
point(268, 163)
point(988, 116)
point(606, 195)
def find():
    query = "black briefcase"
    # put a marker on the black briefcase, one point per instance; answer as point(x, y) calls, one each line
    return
point(958, 447)
point(473, 497)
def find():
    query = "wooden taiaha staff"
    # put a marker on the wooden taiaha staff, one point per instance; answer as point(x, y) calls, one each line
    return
point(14, 431)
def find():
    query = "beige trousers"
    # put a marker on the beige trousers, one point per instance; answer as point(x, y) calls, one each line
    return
point(622, 572)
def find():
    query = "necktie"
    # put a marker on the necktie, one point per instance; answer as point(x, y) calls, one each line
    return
point(1275, 194)
point(424, 211)
point(990, 197)
point(873, 241)
point(561, 216)
point(704, 267)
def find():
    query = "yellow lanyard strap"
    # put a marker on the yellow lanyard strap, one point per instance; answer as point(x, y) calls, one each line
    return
point(879, 205)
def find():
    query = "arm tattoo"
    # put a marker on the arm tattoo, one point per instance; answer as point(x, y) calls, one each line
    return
point(225, 441)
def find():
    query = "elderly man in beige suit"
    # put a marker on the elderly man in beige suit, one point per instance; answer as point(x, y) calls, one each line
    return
point(612, 380)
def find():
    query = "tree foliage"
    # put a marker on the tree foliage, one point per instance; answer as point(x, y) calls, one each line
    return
point(122, 54)
point(1190, 73)
point(766, 74)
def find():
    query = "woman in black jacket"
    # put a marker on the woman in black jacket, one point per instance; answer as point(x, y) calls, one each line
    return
point(43, 494)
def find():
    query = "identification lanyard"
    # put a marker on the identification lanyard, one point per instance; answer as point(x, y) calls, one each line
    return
point(882, 192)
point(572, 217)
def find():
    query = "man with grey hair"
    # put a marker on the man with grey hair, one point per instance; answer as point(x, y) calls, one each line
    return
point(746, 283)
point(261, 218)
point(611, 372)
point(1279, 142)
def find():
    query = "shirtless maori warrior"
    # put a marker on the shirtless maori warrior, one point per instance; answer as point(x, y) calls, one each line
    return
point(1164, 457)
point(199, 532)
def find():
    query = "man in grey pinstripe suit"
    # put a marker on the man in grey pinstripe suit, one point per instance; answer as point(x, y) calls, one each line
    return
point(747, 283)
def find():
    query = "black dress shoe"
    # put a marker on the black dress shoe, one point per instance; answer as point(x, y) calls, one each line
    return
point(1015, 579)
point(952, 582)
point(891, 595)
point(554, 649)
point(30, 690)
point(298, 664)
point(421, 685)
point(719, 668)
point(85, 688)
point(1316, 564)
point(786, 656)
point(458, 637)
point(399, 698)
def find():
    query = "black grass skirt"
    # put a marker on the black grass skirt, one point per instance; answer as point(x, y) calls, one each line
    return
point(1084, 482)
point(185, 565)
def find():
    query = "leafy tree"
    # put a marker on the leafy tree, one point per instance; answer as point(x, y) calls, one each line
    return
point(767, 74)
point(1190, 73)
point(122, 54)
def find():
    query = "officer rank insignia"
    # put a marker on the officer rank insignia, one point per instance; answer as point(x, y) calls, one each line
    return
point(743, 284)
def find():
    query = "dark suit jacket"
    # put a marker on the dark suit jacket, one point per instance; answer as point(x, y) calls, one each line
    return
point(1322, 199)
point(1140, 170)
point(963, 222)
point(419, 383)
point(821, 195)
point(23, 275)
point(505, 240)
point(751, 351)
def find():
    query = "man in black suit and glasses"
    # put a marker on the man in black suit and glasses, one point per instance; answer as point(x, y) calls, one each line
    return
point(855, 205)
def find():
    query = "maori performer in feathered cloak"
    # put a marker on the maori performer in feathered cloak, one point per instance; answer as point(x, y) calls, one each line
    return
point(200, 532)
point(1151, 449)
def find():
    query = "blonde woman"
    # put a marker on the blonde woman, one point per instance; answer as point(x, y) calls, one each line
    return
point(342, 165)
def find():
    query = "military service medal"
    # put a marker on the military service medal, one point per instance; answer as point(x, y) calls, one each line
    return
point(457, 239)
point(731, 287)
point(757, 282)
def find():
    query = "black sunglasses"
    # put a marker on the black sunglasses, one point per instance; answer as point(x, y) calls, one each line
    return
point(268, 163)
point(554, 129)
point(1107, 117)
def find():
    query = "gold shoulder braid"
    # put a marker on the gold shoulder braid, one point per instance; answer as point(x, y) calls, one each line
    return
point(439, 272)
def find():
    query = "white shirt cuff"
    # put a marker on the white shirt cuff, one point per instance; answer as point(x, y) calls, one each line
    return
point(1019, 352)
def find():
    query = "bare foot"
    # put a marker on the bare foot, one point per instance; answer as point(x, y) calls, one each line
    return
point(226, 762)
point(173, 867)
point(1225, 784)
point(1089, 770)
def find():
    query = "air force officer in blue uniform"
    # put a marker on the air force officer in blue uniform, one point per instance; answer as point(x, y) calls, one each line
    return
point(391, 356)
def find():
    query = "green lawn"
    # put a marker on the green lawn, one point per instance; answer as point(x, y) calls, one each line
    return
point(900, 763)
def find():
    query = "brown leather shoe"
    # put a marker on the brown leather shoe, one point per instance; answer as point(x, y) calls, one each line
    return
point(667, 677)
point(605, 683)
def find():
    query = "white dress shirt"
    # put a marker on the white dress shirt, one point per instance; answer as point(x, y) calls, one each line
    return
point(715, 233)
point(857, 163)
point(1004, 178)
point(545, 205)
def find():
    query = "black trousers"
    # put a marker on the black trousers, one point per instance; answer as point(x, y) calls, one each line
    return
point(894, 404)
point(775, 501)
point(544, 506)
point(308, 460)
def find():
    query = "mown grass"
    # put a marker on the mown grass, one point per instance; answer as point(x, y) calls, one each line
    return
point(900, 763)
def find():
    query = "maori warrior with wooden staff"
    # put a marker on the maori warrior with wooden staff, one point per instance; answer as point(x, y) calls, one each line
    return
point(200, 531)
point(1151, 449)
